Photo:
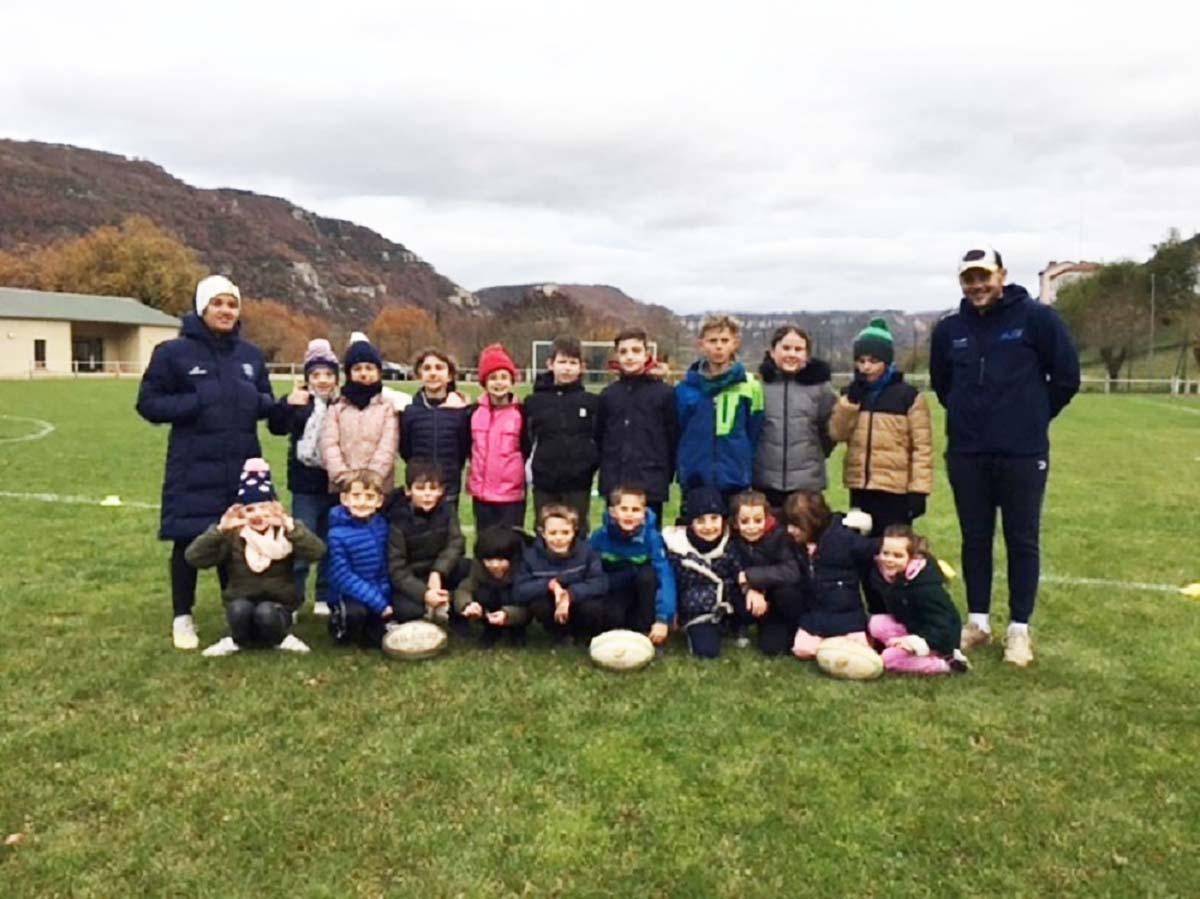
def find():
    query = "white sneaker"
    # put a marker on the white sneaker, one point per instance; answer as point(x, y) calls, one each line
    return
point(292, 643)
point(321, 609)
point(223, 647)
point(1018, 649)
point(183, 633)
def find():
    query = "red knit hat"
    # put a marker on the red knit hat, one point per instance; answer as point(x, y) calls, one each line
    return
point(494, 358)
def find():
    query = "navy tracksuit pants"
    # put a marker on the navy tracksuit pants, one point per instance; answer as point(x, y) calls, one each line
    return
point(1014, 485)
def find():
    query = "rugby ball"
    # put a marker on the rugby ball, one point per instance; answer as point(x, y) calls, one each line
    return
point(621, 650)
point(414, 640)
point(848, 659)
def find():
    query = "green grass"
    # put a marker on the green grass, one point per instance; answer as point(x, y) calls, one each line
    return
point(132, 769)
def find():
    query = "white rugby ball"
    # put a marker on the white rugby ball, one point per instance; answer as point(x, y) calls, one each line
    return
point(414, 640)
point(621, 650)
point(848, 659)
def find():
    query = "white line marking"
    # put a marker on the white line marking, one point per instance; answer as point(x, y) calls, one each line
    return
point(76, 500)
point(1192, 410)
point(44, 429)
point(1103, 582)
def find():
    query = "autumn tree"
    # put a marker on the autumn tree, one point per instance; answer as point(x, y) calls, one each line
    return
point(399, 332)
point(137, 259)
point(281, 333)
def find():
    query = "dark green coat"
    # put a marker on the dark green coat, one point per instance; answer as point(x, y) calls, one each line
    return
point(924, 607)
point(277, 583)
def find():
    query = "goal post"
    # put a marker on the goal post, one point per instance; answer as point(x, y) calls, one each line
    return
point(596, 354)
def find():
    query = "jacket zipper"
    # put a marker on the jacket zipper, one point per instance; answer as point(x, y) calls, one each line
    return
point(867, 461)
point(783, 481)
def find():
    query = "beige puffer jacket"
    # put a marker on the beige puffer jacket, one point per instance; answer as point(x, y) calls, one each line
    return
point(890, 443)
point(353, 439)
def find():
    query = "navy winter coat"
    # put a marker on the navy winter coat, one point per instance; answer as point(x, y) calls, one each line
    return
point(211, 390)
point(561, 432)
point(581, 572)
point(440, 434)
point(1002, 375)
point(285, 419)
point(639, 436)
point(843, 559)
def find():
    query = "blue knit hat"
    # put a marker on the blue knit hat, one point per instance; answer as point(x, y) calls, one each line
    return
point(255, 485)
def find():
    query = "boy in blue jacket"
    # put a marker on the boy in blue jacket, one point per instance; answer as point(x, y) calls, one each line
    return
point(358, 563)
point(1003, 366)
point(641, 585)
point(720, 408)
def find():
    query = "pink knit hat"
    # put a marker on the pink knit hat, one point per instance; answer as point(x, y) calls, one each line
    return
point(319, 353)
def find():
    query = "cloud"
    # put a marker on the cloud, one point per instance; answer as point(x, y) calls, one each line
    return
point(767, 155)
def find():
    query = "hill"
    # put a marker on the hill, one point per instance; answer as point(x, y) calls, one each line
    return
point(342, 271)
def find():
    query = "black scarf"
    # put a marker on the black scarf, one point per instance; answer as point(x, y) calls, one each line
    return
point(361, 394)
point(703, 546)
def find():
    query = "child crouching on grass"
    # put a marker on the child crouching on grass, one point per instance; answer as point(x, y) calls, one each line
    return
point(561, 578)
point(259, 544)
point(358, 563)
point(486, 595)
point(770, 574)
point(921, 628)
point(705, 569)
point(837, 561)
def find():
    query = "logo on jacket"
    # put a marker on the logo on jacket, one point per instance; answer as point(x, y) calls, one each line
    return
point(197, 370)
point(583, 413)
point(959, 343)
point(248, 369)
point(1014, 334)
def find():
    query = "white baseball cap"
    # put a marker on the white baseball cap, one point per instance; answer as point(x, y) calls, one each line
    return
point(981, 257)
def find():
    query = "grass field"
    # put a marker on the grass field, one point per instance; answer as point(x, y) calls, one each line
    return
point(133, 769)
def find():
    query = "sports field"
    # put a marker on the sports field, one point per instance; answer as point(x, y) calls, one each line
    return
point(130, 768)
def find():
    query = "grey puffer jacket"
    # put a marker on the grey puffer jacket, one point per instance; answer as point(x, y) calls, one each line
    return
point(795, 436)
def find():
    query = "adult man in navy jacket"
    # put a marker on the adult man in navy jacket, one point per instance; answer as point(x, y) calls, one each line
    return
point(1003, 366)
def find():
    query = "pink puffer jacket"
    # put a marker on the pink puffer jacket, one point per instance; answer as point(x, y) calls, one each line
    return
point(497, 466)
point(353, 439)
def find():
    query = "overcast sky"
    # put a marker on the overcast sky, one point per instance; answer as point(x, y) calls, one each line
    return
point(745, 156)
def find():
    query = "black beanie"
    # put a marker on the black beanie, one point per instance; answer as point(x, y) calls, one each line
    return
point(704, 501)
point(498, 543)
point(362, 351)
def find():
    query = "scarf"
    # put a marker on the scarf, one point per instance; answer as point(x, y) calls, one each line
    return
point(308, 447)
point(360, 395)
point(914, 567)
point(263, 549)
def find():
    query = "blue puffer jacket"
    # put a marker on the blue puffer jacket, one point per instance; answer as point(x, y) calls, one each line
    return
point(719, 422)
point(1002, 375)
point(643, 547)
point(211, 390)
point(440, 434)
point(358, 557)
point(843, 560)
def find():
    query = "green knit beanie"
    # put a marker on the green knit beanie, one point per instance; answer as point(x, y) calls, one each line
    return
point(875, 340)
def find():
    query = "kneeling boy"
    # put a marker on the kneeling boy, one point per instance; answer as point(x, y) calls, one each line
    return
point(641, 585)
point(425, 547)
point(486, 594)
point(358, 563)
point(260, 544)
point(560, 577)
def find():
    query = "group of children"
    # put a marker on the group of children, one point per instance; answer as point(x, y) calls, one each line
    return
point(739, 559)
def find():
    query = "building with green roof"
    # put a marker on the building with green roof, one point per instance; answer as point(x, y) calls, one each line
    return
point(43, 332)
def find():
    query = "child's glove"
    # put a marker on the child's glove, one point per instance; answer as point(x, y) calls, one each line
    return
point(856, 391)
point(913, 645)
point(858, 520)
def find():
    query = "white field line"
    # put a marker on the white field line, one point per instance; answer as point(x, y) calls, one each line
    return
point(1104, 582)
point(44, 429)
point(1191, 410)
point(75, 500)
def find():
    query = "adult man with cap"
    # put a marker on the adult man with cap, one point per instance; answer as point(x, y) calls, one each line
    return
point(1003, 366)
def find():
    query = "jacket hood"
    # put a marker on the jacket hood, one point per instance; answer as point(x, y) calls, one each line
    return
point(817, 371)
point(193, 326)
point(700, 381)
point(545, 382)
point(1013, 293)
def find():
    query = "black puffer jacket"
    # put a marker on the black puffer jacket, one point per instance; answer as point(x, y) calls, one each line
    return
point(285, 419)
point(770, 562)
point(438, 433)
point(843, 559)
point(639, 436)
point(561, 432)
point(421, 542)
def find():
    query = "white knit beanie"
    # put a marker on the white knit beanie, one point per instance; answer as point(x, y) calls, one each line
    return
point(214, 286)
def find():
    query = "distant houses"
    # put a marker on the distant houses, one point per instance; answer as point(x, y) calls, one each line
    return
point(1057, 275)
point(42, 332)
